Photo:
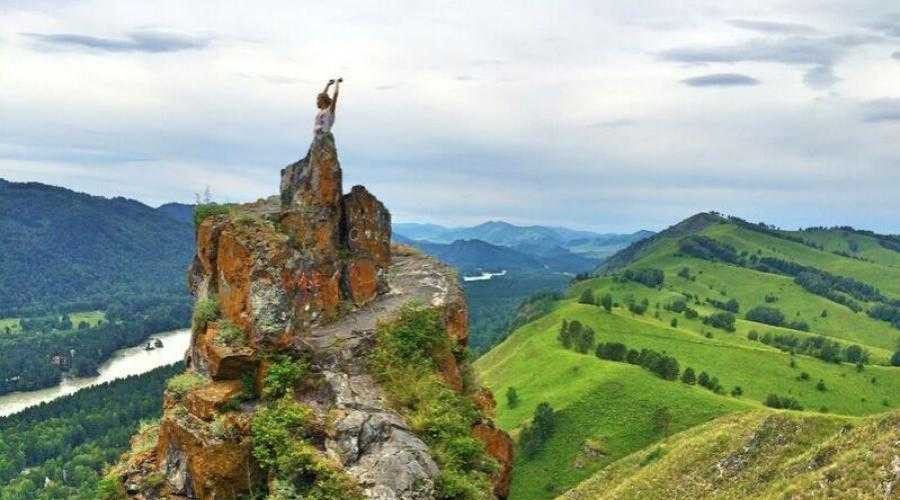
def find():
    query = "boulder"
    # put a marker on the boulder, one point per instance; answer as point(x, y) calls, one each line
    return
point(367, 237)
point(205, 401)
point(361, 280)
point(198, 465)
point(222, 362)
point(456, 316)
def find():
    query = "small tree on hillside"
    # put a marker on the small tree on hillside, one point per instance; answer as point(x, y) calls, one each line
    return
point(607, 302)
point(662, 419)
point(584, 342)
point(587, 297)
point(633, 357)
point(703, 379)
point(535, 436)
point(688, 377)
point(895, 359)
point(512, 397)
point(564, 338)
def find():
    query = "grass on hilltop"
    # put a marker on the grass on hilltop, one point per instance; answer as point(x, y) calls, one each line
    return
point(761, 454)
point(605, 409)
point(610, 405)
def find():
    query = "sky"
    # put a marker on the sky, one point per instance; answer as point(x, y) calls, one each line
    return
point(611, 116)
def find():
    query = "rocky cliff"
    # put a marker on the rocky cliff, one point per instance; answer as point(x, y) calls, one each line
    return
point(323, 363)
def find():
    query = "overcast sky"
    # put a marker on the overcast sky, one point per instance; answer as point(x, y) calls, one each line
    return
point(611, 116)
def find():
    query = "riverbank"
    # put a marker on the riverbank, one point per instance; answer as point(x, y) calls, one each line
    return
point(124, 362)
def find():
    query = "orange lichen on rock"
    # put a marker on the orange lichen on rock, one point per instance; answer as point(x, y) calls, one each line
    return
point(499, 445)
point(199, 465)
point(223, 362)
point(205, 401)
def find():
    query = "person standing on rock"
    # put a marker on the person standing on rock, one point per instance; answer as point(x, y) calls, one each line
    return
point(326, 105)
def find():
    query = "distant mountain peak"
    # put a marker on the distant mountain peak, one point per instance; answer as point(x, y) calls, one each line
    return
point(692, 224)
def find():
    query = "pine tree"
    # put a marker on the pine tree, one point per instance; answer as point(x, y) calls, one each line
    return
point(688, 376)
point(564, 337)
point(895, 359)
point(607, 302)
point(585, 340)
point(512, 397)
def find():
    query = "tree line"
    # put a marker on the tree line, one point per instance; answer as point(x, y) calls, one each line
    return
point(818, 347)
point(660, 364)
point(574, 335)
point(35, 359)
point(58, 449)
point(842, 290)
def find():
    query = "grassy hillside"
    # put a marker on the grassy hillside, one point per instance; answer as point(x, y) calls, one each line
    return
point(605, 409)
point(762, 454)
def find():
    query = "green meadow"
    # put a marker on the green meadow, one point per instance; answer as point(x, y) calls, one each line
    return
point(92, 318)
point(605, 410)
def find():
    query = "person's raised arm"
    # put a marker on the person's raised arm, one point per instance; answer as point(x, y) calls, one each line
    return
point(337, 89)
point(327, 86)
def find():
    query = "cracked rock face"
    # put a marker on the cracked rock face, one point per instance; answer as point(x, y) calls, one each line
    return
point(374, 443)
point(308, 274)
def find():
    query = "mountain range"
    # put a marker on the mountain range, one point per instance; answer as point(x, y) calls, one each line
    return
point(497, 245)
point(528, 239)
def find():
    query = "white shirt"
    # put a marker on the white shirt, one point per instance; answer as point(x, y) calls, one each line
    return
point(324, 121)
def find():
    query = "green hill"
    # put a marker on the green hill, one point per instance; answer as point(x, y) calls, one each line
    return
point(64, 250)
point(761, 454)
point(685, 293)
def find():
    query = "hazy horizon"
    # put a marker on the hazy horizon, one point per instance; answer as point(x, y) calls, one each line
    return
point(605, 117)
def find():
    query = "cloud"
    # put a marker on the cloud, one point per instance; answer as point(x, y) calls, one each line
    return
point(775, 27)
point(896, 55)
point(882, 110)
point(588, 132)
point(138, 41)
point(889, 26)
point(273, 79)
point(792, 50)
point(820, 77)
point(617, 123)
point(820, 52)
point(721, 80)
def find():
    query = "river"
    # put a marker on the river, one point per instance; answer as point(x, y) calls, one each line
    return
point(122, 363)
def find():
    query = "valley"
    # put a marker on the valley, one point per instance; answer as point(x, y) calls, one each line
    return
point(763, 318)
point(128, 362)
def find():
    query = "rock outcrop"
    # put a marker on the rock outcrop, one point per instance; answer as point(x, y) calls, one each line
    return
point(308, 276)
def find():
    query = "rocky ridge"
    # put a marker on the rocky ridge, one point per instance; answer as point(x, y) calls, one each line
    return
point(301, 284)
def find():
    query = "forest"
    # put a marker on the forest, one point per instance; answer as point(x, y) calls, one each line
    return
point(66, 251)
point(58, 449)
point(28, 354)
